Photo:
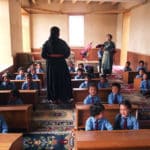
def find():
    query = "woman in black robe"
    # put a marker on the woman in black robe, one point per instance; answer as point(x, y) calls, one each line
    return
point(55, 51)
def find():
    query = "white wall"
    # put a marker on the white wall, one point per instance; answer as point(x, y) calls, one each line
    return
point(5, 43)
point(96, 27)
point(140, 30)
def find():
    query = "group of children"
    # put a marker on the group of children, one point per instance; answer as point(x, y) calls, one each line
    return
point(115, 97)
point(123, 120)
point(31, 75)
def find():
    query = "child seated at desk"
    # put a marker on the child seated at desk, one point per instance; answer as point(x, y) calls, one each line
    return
point(86, 83)
point(103, 83)
point(79, 74)
point(115, 97)
point(96, 121)
point(141, 66)
point(92, 98)
point(7, 84)
point(81, 66)
point(124, 120)
point(71, 67)
point(29, 84)
point(127, 67)
point(141, 73)
point(145, 85)
point(21, 74)
point(3, 125)
point(34, 75)
point(39, 68)
point(14, 98)
point(32, 66)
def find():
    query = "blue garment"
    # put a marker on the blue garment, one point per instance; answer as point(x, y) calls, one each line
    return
point(88, 99)
point(78, 77)
point(127, 69)
point(139, 76)
point(102, 85)
point(20, 77)
point(39, 70)
point(84, 84)
point(103, 124)
point(140, 67)
point(3, 125)
point(8, 86)
point(145, 86)
point(100, 53)
point(71, 69)
point(111, 98)
point(15, 102)
point(35, 77)
point(32, 86)
point(132, 123)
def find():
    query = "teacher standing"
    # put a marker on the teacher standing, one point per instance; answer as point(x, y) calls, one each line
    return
point(109, 50)
point(55, 51)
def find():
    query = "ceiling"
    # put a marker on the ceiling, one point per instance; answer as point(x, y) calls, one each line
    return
point(79, 6)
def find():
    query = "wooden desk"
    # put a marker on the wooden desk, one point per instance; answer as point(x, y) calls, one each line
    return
point(73, 74)
point(137, 82)
point(18, 83)
point(83, 112)
point(128, 77)
point(80, 94)
point(27, 96)
point(11, 142)
point(112, 140)
point(17, 117)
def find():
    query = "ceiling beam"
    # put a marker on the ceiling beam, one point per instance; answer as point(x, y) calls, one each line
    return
point(74, 1)
point(88, 1)
point(114, 3)
point(61, 1)
point(49, 2)
point(34, 1)
point(101, 2)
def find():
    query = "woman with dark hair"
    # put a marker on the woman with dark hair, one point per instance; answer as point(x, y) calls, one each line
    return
point(55, 51)
point(107, 60)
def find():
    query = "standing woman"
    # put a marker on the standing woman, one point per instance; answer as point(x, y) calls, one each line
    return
point(55, 51)
point(109, 50)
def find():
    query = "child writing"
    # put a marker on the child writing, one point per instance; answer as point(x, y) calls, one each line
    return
point(115, 97)
point(127, 66)
point(6, 84)
point(79, 74)
point(96, 121)
point(29, 84)
point(21, 74)
point(86, 83)
point(124, 120)
point(103, 83)
point(15, 98)
point(145, 85)
point(92, 98)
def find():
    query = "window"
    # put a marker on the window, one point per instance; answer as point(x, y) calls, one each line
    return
point(76, 30)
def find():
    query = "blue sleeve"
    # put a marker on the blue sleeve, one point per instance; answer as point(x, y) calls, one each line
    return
point(16, 77)
point(88, 125)
point(110, 101)
point(98, 85)
point(23, 86)
point(120, 98)
point(4, 126)
point(135, 124)
point(98, 100)
point(81, 85)
point(142, 86)
point(86, 100)
point(108, 125)
point(36, 77)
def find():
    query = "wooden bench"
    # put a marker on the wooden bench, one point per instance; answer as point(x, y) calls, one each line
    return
point(27, 96)
point(19, 83)
point(83, 112)
point(17, 117)
point(112, 140)
point(137, 82)
point(11, 141)
point(80, 94)
point(128, 77)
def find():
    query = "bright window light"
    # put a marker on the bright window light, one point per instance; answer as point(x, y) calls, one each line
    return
point(76, 30)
